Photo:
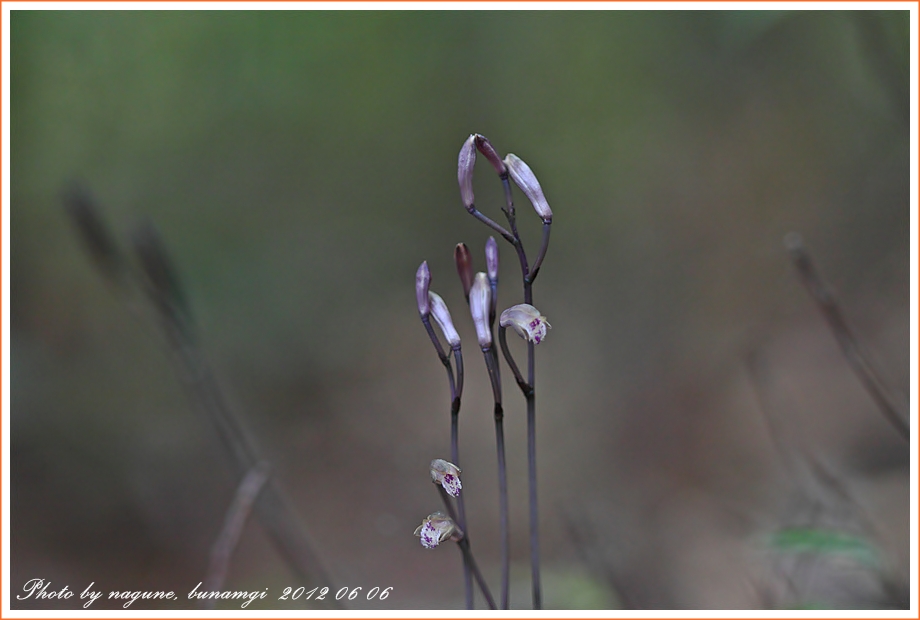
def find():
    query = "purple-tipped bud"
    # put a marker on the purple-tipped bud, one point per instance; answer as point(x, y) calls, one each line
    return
point(465, 164)
point(524, 178)
point(442, 317)
point(485, 147)
point(492, 259)
point(422, 282)
point(464, 267)
point(480, 298)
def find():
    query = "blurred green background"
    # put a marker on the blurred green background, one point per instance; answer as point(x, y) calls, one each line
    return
point(300, 165)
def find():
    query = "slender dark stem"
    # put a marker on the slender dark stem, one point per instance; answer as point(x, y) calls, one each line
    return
point(503, 341)
point(544, 244)
point(495, 378)
point(490, 223)
point(237, 515)
point(464, 544)
point(458, 358)
point(455, 459)
point(537, 590)
point(853, 353)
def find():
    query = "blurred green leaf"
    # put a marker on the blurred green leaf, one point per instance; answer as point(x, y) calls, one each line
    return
point(825, 542)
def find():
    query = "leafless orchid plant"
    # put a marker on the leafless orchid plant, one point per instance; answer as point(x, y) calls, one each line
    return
point(480, 291)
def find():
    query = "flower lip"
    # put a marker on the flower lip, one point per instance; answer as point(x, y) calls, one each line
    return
point(447, 475)
point(480, 298)
point(437, 528)
point(524, 178)
point(442, 317)
point(526, 321)
point(422, 282)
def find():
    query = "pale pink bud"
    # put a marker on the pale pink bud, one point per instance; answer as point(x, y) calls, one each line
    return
point(437, 528)
point(422, 282)
point(447, 475)
point(492, 258)
point(526, 321)
point(464, 267)
point(485, 147)
point(524, 178)
point(465, 164)
point(480, 298)
point(442, 317)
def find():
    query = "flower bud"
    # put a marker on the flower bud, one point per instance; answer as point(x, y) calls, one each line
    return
point(422, 282)
point(442, 317)
point(485, 147)
point(526, 321)
point(524, 178)
point(465, 165)
point(437, 528)
point(464, 267)
point(447, 475)
point(492, 259)
point(480, 298)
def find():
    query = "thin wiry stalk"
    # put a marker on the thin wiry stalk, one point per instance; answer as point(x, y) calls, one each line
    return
point(494, 377)
point(456, 390)
point(852, 351)
point(464, 545)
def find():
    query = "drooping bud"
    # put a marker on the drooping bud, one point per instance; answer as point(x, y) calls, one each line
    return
point(480, 298)
point(526, 321)
point(447, 475)
point(485, 147)
point(442, 317)
point(492, 259)
point(437, 528)
point(524, 178)
point(464, 267)
point(465, 164)
point(422, 282)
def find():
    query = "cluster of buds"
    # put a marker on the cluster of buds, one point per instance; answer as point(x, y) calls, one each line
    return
point(480, 293)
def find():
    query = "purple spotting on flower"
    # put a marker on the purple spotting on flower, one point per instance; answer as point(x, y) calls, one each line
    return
point(526, 321)
point(480, 298)
point(442, 317)
point(437, 528)
point(447, 475)
point(422, 282)
point(524, 178)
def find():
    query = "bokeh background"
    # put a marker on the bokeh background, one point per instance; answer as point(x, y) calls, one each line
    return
point(702, 441)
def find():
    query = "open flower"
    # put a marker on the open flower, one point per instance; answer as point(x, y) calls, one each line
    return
point(437, 528)
point(447, 475)
point(526, 321)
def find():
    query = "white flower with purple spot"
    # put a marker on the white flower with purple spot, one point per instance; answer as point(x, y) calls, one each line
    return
point(436, 529)
point(526, 321)
point(447, 475)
